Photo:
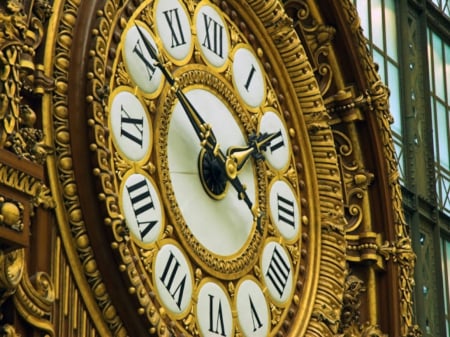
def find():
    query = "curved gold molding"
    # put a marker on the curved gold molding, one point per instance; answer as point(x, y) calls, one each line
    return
point(61, 176)
point(34, 300)
point(327, 298)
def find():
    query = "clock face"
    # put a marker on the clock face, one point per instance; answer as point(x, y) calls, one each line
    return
point(207, 191)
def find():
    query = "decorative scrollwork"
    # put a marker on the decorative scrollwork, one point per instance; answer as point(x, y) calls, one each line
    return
point(34, 299)
point(12, 266)
point(21, 76)
point(317, 37)
point(350, 325)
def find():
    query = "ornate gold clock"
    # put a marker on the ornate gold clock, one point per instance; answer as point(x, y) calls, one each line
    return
point(203, 167)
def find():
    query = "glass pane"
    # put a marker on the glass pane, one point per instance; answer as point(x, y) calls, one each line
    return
point(430, 57)
point(379, 59)
point(377, 23)
point(445, 195)
point(438, 66)
point(442, 129)
point(399, 155)
point(363, 12)
point(394, 98)
point(444, 270)
point(433, 117)
point(391, 29)
point(447, 71)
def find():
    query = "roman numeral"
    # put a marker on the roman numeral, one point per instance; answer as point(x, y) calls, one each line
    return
point(141, 201)
point(173, 19)
point(132, 128)
point(277, 142)
point(255, 318)
point(149, 67)
point(216, 323)
point(278, 271)
point(170, 274)
point(286, 212)
point(214, 36)
point(249, 78)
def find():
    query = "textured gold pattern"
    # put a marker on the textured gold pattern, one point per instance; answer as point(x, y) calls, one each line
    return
point(328, 297)
point(70, 217)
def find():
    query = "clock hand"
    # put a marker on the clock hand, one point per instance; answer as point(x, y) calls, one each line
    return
point(237, 156)
point(212, 168)
point(203, 131)
point(242, 195)
point(201, 128)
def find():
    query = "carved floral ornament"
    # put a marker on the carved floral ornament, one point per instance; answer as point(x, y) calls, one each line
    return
point(21, 77)
point(22, 84)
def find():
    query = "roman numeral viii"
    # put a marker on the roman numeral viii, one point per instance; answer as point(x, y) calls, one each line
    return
point(142, 202)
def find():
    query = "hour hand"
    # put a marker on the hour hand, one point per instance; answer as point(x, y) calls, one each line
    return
point(237, 156)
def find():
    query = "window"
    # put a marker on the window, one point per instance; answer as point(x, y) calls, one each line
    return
point(443, 5)
point(439, 70)
point(414, 61)
point(379, 22)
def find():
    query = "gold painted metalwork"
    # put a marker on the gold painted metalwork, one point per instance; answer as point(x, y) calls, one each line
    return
point(347, 105)
point(11, 214)
point(341, 208)
point(81, 258)
point(311, 106)
point(38, 192)
point(34, 299)
point(20, 36)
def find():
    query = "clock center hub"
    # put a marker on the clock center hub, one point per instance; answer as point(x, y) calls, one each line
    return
point(212, 175)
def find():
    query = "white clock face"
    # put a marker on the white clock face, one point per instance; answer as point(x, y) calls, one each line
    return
point(222, 226)
point(140, 64)
point(174, 29)
point(278, 153)
point(284, 209)
point(252, 309)
point(130, 125)
point(248, 77)
point(214, 310)
point(142, 208)
point(212, 36)
point(173, 279)
point(208, 193)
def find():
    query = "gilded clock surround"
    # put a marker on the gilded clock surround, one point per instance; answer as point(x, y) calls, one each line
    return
point(229, 268)
point(332, 111)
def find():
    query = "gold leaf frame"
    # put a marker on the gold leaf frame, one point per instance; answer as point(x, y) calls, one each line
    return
point(326, 291)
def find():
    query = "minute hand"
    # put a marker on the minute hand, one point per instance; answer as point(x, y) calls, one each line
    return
point(201, 128)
